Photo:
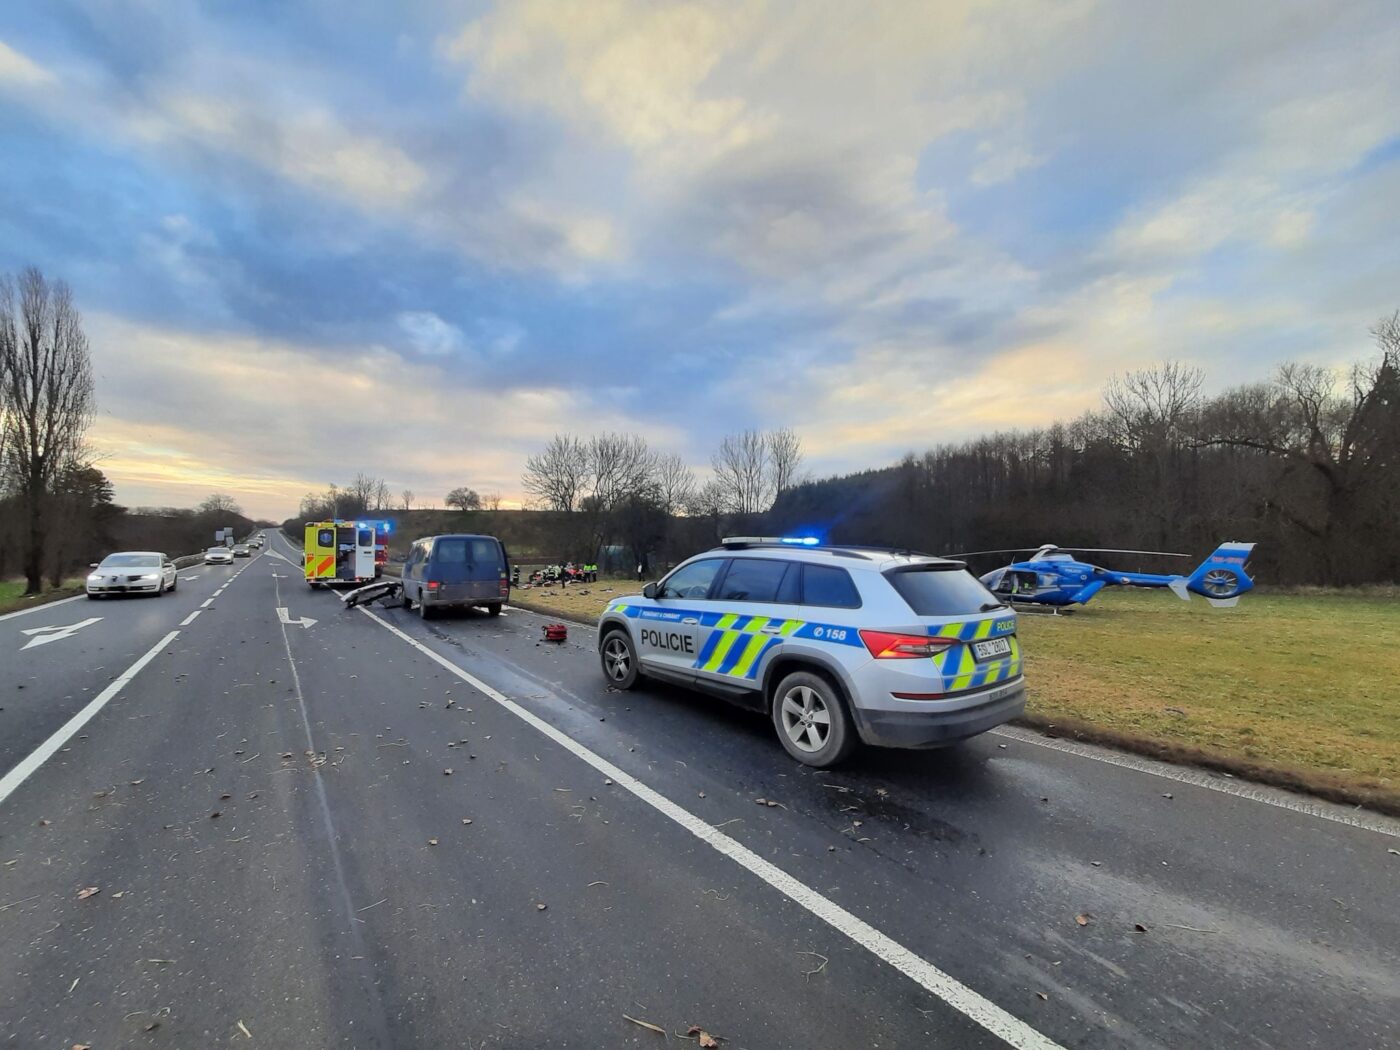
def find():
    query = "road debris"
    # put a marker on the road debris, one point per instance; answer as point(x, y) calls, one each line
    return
point(647, 1025)
point(90, 891)
point(1083, 918)
point(244, 1029)
point(702, 1037)
point(432, 842)
point(809, 974)
point(541, 907)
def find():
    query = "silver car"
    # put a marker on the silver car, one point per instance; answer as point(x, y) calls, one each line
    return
point(836, 645)
point(132, 572)
point(218, 556)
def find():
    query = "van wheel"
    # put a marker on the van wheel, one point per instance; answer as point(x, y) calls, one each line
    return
point(811, 720)
point(424, 611)
point(494, 609)
point(619, 660)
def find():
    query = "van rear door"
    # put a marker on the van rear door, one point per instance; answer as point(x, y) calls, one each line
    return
point(468, 568)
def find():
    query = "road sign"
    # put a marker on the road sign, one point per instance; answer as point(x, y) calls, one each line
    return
point(55, 632)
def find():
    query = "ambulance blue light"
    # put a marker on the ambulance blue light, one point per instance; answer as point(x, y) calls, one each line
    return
point(802, 541)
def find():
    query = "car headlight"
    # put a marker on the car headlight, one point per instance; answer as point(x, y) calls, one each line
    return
point(151, 576)
point(94, 577)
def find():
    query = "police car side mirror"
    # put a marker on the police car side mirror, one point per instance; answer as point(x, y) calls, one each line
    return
point(650, 591)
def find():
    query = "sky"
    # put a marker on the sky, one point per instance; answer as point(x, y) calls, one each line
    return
point(417, 239)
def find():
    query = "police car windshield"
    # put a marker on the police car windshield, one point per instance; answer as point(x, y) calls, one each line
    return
point(934, 590)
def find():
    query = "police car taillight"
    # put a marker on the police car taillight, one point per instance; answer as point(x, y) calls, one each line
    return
point(885, 645)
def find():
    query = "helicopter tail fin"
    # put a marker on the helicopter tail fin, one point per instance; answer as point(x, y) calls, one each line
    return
point(1221, 578)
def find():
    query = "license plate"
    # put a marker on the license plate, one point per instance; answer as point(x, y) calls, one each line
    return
point(992, 648)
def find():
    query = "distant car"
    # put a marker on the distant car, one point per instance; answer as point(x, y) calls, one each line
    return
point(132, 572)
point(446, 571)
point(240, 550)
point(218, 556)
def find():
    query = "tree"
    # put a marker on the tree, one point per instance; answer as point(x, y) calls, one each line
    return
point(46, 375)
point(219, 503)
point(785, 458)
point(464, 499)
point(492, 501)
point(556, 478)
point(407, 499)
point(675, 483)
point(743, 472)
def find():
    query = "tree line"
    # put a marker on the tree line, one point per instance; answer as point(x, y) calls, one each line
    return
point(1306, 464)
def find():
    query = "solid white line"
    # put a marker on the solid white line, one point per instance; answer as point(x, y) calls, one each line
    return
point(45, 605)
point(206, 603)
point(190, 618)
point(1270, 796)
point(984, 1012)
point(17, 776)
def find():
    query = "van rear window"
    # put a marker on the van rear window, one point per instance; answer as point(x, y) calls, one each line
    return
point(460, 550)
point(942, 592)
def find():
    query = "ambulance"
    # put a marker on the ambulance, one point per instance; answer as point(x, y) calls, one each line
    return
point(339, 552)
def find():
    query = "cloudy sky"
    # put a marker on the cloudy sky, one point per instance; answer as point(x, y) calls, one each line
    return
point(416, 239)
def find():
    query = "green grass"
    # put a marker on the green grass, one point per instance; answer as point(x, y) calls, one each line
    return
point(1300, 688)
point(12, 597)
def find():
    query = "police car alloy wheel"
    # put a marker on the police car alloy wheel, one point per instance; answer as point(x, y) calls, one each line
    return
point(812, 723)
point(619, 660)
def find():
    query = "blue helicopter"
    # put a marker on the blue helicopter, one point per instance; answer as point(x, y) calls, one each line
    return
point(1053, 576)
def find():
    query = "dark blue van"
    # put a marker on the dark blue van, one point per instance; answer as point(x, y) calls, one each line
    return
point(456, 571)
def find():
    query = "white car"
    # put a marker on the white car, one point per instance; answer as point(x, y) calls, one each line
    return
point(218, 556)
point(132, 572)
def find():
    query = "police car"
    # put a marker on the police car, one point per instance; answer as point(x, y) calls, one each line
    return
point(836, 644)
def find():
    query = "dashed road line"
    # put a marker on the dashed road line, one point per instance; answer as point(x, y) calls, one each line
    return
point(190, 618)
point(207, 602)
point(960, 997)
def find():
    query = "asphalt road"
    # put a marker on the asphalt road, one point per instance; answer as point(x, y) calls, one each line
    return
point(372, 831)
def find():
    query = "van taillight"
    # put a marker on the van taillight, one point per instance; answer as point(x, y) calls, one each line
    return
point(433, 585)
point(887, 645)
point(505, 587)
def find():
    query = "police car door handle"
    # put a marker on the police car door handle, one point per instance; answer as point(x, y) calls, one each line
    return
point(690, 620)
point(771, 628)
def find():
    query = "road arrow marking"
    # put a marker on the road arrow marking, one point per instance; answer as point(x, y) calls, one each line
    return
point(286, 617)
point(188, 578)
point(54, 633)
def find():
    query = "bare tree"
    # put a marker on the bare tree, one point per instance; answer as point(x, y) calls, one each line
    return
point(381, 495)
point(406, 498)
point(785, 458)
point(1152, 406)
point(464, 499)
point(557, 477)
point(743, 472)
point(46, 373)
point(675, 483)
point(491, 500)
point(219, 503)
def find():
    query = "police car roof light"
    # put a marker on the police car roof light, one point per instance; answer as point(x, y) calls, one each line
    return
point(749, 541)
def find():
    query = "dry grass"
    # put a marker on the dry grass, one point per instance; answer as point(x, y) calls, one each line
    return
point(1300, 688)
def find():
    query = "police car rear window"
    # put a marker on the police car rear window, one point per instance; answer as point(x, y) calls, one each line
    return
point(939, 591)
point(752, 580)
point(830, 586)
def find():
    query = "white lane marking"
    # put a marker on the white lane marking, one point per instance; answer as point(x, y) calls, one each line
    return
point(206, 603)
point(1270, 796)
point(286, 618)
point(190, 618)
point(969, 1003)
point(42, 606)
point(188, 578)
point(17, 776)
point(55, 632)
point(1246, 789)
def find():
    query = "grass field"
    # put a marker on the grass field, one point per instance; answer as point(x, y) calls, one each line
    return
point(12, 597)
point(1299, 688)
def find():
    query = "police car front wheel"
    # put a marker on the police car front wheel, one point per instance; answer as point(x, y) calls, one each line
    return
point(811, 720)
point(619, 660)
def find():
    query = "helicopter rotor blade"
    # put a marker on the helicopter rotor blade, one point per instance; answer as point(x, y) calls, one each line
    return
point(1004, 550)
point(1114, 550)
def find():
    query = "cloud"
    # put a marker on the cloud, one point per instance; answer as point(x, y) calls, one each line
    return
point(20, 70)
point(429, 334)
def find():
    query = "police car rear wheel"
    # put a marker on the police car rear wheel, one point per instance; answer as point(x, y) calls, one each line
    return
point(811, 720)
point(619, 660)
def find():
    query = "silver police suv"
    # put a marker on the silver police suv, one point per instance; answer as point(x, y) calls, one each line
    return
point(836, 644)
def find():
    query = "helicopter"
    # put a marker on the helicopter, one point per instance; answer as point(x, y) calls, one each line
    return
point(1055, 577)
